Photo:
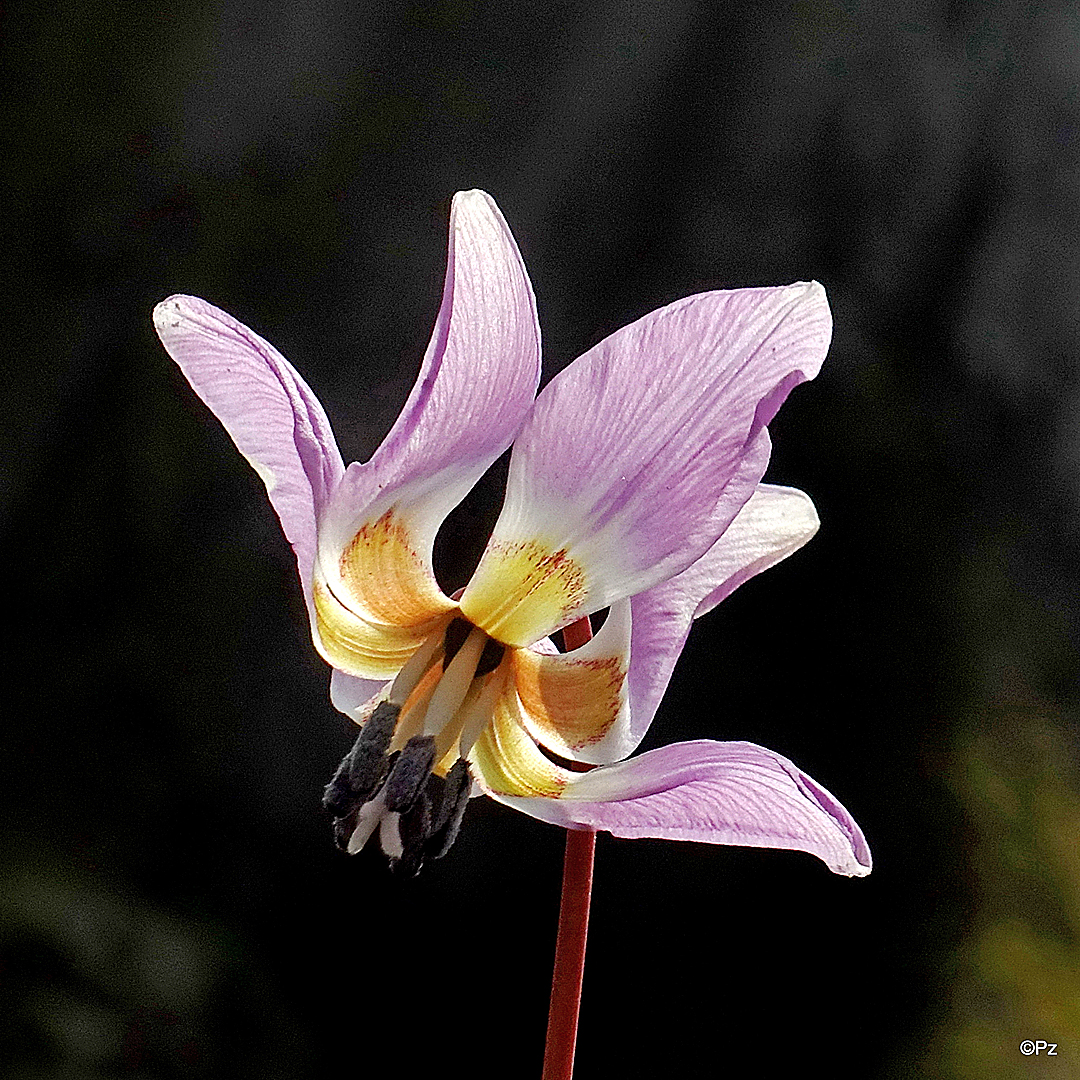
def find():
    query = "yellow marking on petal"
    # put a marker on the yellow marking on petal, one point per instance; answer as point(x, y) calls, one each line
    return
point(387, 576)
point(522, 591)
point(568, 702)
point(365, 649)
point(509, 762)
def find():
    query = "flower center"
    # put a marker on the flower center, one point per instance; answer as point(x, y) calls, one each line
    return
point(406, 774)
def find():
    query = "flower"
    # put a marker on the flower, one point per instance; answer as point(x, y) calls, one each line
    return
point(634, 485)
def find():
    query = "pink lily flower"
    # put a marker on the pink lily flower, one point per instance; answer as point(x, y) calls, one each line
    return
point(634, 485)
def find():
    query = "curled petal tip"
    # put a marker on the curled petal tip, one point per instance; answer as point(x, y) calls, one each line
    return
point(853, 861)
point(810, 295)
point(811, 290)
point(171, 313)
point(734, 793)
point(814, 293)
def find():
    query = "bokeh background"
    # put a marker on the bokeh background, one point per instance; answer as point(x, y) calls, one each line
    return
point(171, 905)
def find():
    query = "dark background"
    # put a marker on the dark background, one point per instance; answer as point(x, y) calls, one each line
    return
point(170, 902)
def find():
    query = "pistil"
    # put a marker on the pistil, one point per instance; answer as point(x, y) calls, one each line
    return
point(361, 772)
point(455, 683)
point(477, 713)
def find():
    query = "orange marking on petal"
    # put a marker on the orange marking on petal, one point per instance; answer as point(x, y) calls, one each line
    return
point(387, 576)
point(358, 647)
point(523, 590)
point(569, 703)
point(510, 763)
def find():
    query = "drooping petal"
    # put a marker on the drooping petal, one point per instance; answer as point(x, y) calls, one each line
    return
point(475, 387)
point(274, 419)
point(718, 793)
point(774, 523)
point(622, 475)
point(576, 704)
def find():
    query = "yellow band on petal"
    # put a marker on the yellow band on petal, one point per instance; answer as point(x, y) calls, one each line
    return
point(507, 760)
point(569, 702)
point(361, 648)
point(522, 591)
point(384, 573)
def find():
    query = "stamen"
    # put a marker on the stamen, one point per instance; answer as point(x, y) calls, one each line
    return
point(410, 772)
point(447, 739)
point(427, 830)
point(447, 814)
point(416, 811)
point(415, 709)
point(414, 828)
point(364, 766)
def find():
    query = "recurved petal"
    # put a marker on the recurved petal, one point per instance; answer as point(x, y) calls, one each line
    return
point(363, 648)
point(505, 759)
point(272, 416)
point(622, 476)
point(774, 523)
point(576, 703)
point(476, 385)
point(717, 793)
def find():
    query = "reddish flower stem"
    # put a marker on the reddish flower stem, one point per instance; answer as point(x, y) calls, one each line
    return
point(569, 955)
point(573, 928)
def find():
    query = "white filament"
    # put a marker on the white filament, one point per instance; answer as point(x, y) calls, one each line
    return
point(479, 712)
point(455, 683)
point(415, 669)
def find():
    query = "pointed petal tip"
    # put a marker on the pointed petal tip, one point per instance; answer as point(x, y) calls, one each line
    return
point(855, 861)
point(474, 203)
point(813, 289)
point(809, 295)
point(271, 414)
point(814, 293)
